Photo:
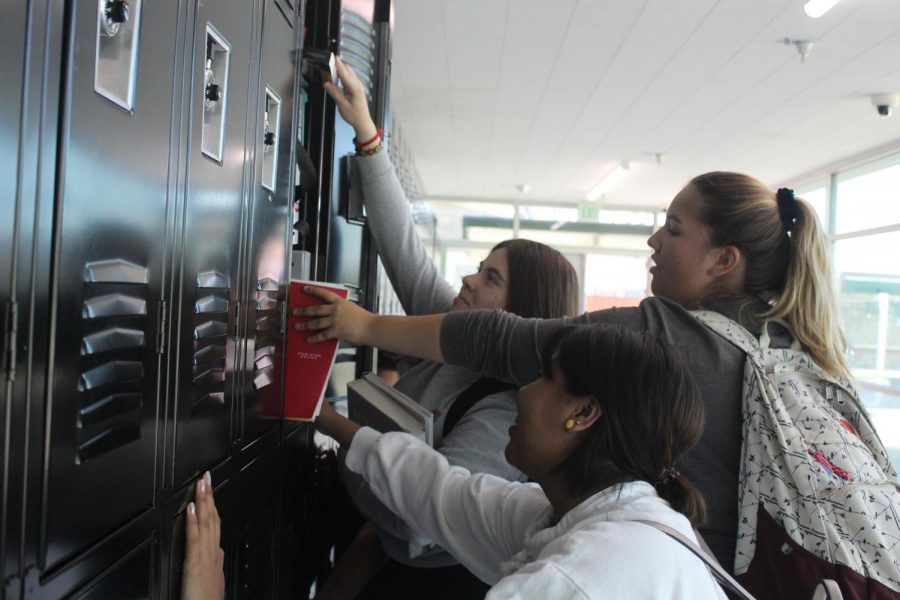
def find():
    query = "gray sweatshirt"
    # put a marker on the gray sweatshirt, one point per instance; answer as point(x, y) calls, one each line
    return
point(508, 347)
point(478, 440)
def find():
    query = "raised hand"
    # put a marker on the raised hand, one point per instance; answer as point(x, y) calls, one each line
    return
point(351, 101)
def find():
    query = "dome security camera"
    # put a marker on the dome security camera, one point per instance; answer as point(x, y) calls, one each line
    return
point(885, 103)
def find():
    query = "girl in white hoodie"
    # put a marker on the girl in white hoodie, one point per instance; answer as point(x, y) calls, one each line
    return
point(599, 435)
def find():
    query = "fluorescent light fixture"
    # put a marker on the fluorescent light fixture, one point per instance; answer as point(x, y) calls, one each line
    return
point(817, 8)
point(607, 181)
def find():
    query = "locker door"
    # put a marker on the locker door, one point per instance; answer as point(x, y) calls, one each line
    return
point(213, 222)
point(256, 530)
point(346, 247)
point(111, 225)
point(130, 577)
point(269, 235)
point(12, 31)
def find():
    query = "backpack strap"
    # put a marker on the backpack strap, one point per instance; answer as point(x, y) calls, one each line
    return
point(730, 330)
point(469, 397)
point(725, 580)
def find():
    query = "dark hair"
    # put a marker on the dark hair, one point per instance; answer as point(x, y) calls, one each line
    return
point(651, 412)
point(791, 272)
point(542, 282)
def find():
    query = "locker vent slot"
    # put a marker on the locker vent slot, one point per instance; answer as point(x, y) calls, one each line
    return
point(211, 401)
point(113, 305)
point(109, 407)
point(107, 441)
point(213, 279)
point(357, 47)
point(216, 365)
point(264, 351)
point(208, 354)
point(209, 377)
point(268, 332)
point(112, 339)
point(263, 378)
point(211, 304)
point(210, 329)
point(267, 284)
point(265, 302)
point(117, 371)
point(116, 270)
point(211, 321)
point(114, 321)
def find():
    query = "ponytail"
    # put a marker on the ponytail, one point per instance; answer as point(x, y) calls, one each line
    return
point(681, 494)
point(786, 259)
point(807, 301)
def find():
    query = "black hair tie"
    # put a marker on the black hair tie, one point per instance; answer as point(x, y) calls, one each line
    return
point(787, 208)
point(667, 476)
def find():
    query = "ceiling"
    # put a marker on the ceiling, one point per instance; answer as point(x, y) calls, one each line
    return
point(553, 94)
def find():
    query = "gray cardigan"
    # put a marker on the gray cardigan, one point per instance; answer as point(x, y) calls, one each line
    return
point(478, 440)
point(508, 347)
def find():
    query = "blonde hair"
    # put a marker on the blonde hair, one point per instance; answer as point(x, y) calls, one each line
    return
point(790, 271)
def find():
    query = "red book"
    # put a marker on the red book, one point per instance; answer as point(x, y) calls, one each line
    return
point(308, 366)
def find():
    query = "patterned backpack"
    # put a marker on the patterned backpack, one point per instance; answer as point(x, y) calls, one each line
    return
point(818, 496)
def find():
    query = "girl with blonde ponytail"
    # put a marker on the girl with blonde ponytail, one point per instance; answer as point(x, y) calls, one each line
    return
point(730, 245)
point(786, 258)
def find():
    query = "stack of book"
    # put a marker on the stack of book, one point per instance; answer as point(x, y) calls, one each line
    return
point(373, 403)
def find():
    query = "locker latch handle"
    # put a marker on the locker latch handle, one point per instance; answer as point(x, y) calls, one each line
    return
point(268, 135)
point(115, 13)
point(212, 92)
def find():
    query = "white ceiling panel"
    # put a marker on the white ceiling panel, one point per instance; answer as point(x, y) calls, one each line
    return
point(553, 93)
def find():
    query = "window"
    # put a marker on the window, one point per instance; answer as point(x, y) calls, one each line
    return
point(867, 278)
point(607, 247)
point(868, 197)
point(818, 197)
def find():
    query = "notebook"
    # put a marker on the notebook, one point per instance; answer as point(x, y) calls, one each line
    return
point(307, 366)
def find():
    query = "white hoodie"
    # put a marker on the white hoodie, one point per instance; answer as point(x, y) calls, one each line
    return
point(499, 529)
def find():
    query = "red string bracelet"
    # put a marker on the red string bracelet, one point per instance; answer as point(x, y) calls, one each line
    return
point(378, 133)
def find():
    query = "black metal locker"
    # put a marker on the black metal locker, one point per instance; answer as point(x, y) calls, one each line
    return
point(131, 577)
point(255, 575)
point(31, 82)
point(222, 84)
point(13, 32)
point(271, 200)
point(111, 226)
point(146, 167)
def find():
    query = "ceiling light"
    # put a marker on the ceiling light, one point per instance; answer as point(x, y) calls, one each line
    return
point(817, 8)
point(608, 181)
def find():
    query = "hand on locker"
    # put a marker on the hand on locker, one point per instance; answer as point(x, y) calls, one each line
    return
point(339, 318)
point(352, 103)
point(204, 577)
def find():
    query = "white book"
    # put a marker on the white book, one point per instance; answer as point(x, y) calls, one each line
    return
point(373, 403)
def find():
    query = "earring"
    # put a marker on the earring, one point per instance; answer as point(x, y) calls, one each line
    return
point(570, 424)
